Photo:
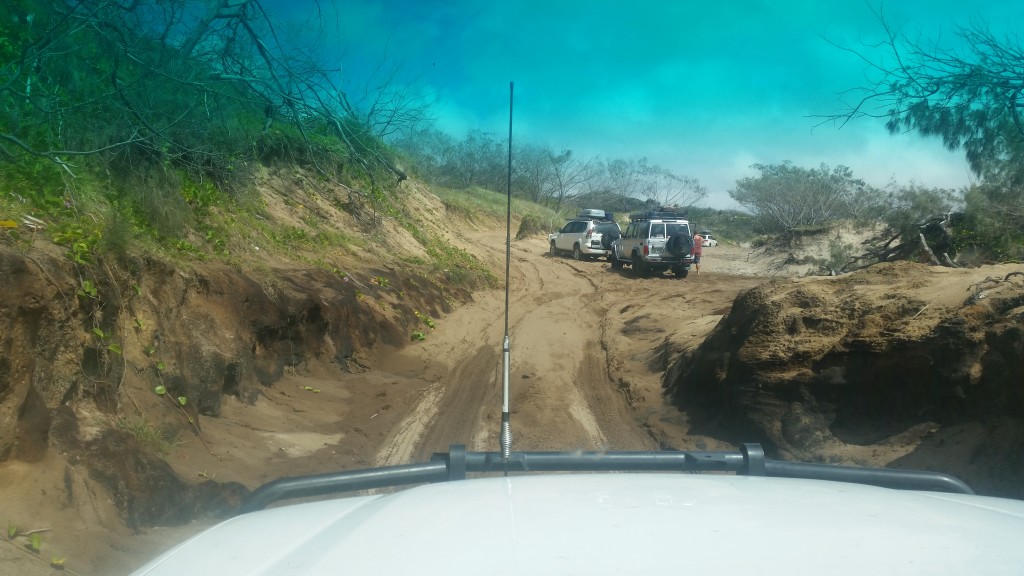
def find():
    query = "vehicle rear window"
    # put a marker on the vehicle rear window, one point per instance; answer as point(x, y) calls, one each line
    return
point(677, 228)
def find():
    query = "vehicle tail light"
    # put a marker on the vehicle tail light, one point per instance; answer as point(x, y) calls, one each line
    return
point(646, 250)
point(590, 233)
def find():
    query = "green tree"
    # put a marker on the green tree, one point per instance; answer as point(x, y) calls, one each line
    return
point(179, 84)
point(904, 208)
point(968, 90)
point(532, 175)
point(994, 220)
point(785, 196)
point(570, 176)
point(662, 187)
point(970, 94)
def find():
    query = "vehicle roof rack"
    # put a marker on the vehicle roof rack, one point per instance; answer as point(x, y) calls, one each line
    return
point(658, 215)
point(749, 460)
point(588, 219)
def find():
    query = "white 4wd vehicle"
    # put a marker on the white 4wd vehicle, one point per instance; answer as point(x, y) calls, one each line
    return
point(588, 235)
point(654, 242)
point(746, 515)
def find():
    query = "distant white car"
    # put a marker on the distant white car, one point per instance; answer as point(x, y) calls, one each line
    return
point(645, 522)
point(709, 240)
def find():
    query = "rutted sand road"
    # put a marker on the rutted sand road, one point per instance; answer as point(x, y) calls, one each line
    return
point(588, 346)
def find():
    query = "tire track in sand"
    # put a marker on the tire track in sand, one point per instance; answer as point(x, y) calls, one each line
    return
point(460, 405)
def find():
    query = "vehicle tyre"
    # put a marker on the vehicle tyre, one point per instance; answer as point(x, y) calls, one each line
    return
point(639, 268)
point(553, 251)
point(680, 271)
point(576, 254)
point(616, 263)
point(607, 239)
point(679, 245)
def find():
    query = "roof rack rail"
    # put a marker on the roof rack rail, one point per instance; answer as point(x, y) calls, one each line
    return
point(658, 215)
point(749, 460)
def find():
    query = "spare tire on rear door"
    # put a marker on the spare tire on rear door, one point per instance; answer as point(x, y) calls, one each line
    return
point(679, 245)
point(608, 237)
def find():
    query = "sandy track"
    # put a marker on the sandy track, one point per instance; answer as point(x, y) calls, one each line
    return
point(584, 348)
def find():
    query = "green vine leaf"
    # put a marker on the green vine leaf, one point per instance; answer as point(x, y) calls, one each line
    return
point(35, 541)
point(160, 390)
point(88, 290)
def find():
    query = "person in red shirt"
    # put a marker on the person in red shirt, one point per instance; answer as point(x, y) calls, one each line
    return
point(698, 249)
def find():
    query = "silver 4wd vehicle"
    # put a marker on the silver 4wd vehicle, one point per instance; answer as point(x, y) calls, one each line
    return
point(588, 235)
point(654, 242)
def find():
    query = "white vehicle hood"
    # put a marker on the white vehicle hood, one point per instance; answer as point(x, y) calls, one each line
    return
point(618, 524)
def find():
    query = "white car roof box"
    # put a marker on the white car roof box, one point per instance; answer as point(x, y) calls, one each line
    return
point(592, 213)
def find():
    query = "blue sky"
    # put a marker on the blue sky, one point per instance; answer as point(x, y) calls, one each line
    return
point(703, 88)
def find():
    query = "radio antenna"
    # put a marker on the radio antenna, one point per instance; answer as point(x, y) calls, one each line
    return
point(505, 438)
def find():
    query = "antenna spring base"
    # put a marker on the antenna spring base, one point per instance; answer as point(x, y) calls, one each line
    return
point(505, 438)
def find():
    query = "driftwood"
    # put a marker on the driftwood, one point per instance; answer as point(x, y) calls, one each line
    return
point(993, 281)
point(979, 289)
point(927, 249)
point(898, 247)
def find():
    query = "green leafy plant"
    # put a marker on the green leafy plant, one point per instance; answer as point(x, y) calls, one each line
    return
point(186, 247)
point(30, 542)
point(418, 336)
point(218, 243)
point(35, 542)
point(200, 195)
point(104, 338)
point(88, 290)
point(80, 241)
point(381, 281)
point(426, 320)
point(180, 402)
